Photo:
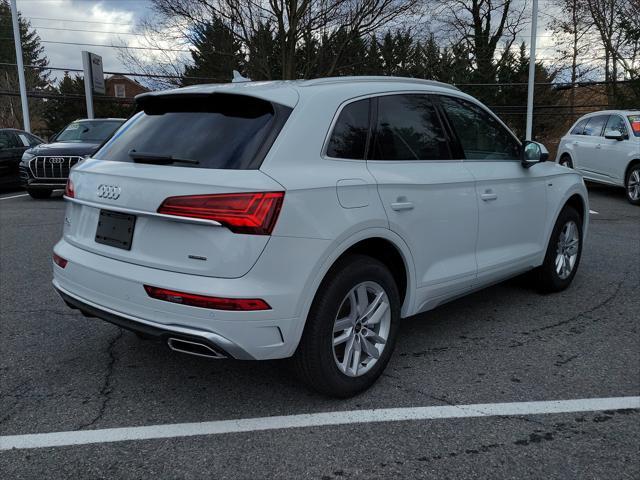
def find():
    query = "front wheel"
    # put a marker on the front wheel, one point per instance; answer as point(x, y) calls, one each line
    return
point(351, 328)
point(632, 185)
point(563, 253)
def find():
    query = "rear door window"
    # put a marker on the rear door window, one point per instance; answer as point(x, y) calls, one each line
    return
point(218, 131)
point(408, 128)
point(595, 125)
point(351, 132)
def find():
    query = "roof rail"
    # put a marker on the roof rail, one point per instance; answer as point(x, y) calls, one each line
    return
point(379, 78)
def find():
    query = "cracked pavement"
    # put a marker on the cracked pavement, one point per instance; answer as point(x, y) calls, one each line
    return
point(60, 371)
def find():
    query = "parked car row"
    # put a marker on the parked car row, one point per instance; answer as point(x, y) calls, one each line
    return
point(46, 166)
point(304, 219)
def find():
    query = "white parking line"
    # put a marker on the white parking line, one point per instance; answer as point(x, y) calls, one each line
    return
point(14, 196)
point(593, 212)
point(106, 435)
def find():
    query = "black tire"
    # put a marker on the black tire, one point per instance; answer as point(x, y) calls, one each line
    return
point(314, 359)
point(634, 172)
point(565, 160)
point(547, 277)
point(39, 194)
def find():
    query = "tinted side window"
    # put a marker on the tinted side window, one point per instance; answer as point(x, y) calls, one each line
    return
point(595, 125)
point(349, 136)
point(616, 124)
point(408, 128)
point(579, 128)
point(33, 140)
point(481, 135)
point(9, 140)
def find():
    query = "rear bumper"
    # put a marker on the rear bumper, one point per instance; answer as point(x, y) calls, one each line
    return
point(217, 343)
point(114, 291)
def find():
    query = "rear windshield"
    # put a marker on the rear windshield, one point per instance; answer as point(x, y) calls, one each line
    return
point(218, 131)
point(634, 120)
point(92, 131)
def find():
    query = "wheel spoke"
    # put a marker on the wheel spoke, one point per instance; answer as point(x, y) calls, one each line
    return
point(342, 338)
point(342, 324)
point(348, 352)
point(377, 315)
point(362, 299)
point(369, 348)
point(373, 305)
point(355, 361)
point(374, 337)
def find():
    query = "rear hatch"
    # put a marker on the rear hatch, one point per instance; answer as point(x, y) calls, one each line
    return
point(203, 149)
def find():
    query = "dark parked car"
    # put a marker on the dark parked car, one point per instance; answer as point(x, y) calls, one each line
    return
point(46, 167)
point(13, 144)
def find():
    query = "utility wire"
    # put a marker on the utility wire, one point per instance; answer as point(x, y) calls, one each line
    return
point(77, 21)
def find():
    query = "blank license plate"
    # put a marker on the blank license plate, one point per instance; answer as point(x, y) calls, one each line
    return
point(115, 229)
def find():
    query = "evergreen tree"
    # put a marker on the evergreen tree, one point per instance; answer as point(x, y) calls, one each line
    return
point(215, 54)
point(36, 78)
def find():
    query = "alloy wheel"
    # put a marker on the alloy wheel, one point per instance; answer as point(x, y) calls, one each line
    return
point(361, 329)
point(633, 185)
point(567, 249)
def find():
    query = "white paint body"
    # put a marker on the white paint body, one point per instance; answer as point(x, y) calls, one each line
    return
point(452, 241)
point(600, 159)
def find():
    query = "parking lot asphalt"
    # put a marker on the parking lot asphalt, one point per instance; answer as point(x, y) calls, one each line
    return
point(61, 372)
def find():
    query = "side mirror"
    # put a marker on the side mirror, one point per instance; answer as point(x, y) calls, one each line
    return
point(614, 135)
point(532, 153)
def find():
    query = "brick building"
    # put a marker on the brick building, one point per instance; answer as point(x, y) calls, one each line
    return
point(123, 87)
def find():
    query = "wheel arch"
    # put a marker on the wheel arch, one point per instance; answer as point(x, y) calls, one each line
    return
point(577, 198)
point(631, 164)
point(367, 241)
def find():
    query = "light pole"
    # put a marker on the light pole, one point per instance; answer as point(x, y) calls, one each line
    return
point(532, 71)
point(23, 85)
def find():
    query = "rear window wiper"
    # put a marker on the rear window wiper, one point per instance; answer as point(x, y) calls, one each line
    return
point(157, 159)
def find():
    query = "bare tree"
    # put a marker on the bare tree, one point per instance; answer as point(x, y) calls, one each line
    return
point(289, 21)
point(572, 27)
point(483, 25)
point(608, 16)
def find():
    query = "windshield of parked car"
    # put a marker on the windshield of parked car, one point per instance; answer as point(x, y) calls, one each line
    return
point(634, 120)
point(218, 131)
point(92, 131)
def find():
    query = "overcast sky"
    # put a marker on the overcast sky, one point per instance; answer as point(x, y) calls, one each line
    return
point(110, 22)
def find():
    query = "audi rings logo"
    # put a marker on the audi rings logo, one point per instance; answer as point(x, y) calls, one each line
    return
point(111, 192)
point(56, 160)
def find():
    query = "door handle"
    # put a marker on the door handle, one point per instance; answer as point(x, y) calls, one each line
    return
point(576, 143)
point(488, 196)
point(599, 146)
point(398, 206)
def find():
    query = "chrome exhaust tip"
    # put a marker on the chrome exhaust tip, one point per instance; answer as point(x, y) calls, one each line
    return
point(194, 348)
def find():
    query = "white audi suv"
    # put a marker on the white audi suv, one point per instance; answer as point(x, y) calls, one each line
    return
point(304, 219)
point(605, 148)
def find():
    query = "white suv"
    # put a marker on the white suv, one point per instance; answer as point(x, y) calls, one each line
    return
point(605, 148)
point(304, 219)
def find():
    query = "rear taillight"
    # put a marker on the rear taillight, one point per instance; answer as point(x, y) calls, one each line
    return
point(68, 190)
point(204, 301)
point(252, 213)
point(58, 260)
